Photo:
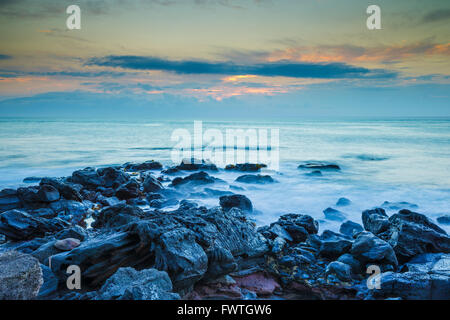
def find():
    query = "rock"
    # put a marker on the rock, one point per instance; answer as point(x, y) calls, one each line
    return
point(186, 204)
point(20, 276)
point(314, 173)
point(117, 216)
point(217, 193)
point(354, 264)
point(333, 245)
point(50, 286)
point(147, 165)
point(129, 190)
point(444, 219)
point(343, 202)
point(28, 196)
point(70, 210)
point(375, 221)
point(76, 232)
point(9, 200)
point(198, 178)
point(334, 215)
point(195, 164)
point(236, 201)
point(66, 190)
point(162, 203)
point(411, 233)
point(87, 177)
point(32, 179)
point(294, 228)
point(45, 251)
point(245, 167)
point(220, 262)
point(151, 184)
point(129, 284)
point(369, 248)
point(349, 228)
point(278, 244)
point(48, 193)
point(108, 201)
point(19, 225)
point(257, 179)
point(341, 270)
point(46, 213)
point(67, 244)
point(112, 177)
point(398, 205)
point(319, 166)
point(260, 283)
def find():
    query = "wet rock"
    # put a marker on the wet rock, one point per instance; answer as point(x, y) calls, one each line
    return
point(67, 244)
point(70, 210)
point(444, 219)
point(349, 228)
point(20, 276)
point(293, 227)
point(162, 203)
point(354, 264)
point(151, 184)
point(66, 190)
point(19, 225)
point(32, 179)
point(76, 232)
point(29, 195)
point(398, 205)
point(343, 202)
point(112, 177)
point(334, 215)
point(48, 193)
point(216, 193)
point(341, 270)
point(319, 166)
point(117, 216)
point(129, 190)
point(50, 286)
point(129, 284)
point(260, 283)
point(369, 248)
point(108, 201)
point(256, 179)
point(87, 177)
point(147, 165)
point(278, 244)
point(375, 221)
point(46, 213)
point(198, 178)
point(195, 164)
point(314, 173)
point(220, 262)
point(245, 167)
point(186, 204)
point(45, 251)
point(9, 200)
point(411, 233)
point(236, 201)
point(334, 245)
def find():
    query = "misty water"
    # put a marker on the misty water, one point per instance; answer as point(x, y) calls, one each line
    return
point(381, 160)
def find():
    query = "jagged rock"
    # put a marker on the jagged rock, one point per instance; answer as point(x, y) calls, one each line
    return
point(245, 167)
point(70, 210)
point(45, 251)
point(129, 190)
point(319, 166)
point(343, 202)
point(117, 216)
point(236, 201)
point(411, 233)
point(66, 190)
point(20, 276)
point(195, 164)
point(108, 201)
point(147, 165)
point(19, 225)
point(76, 232)
point(87, 177)
point(67, 244)
point(47, 193)
point(129, 284)
point(375, 221)
point(151, 184)
point(50, 285)
point(278, 244)
point(256, 179)
point(369, 248)
point(334, 245)
point(9, 200)
point(349, 228)
point(341, 270)
point(162, 203)
point(444, 219)
point(334, 215)
point(112, 177)
point(198, 178)
point(220, 262)
point(292, 227)
point(355, 264)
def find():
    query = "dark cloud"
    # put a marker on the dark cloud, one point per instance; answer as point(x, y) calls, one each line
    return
point(437, 15)
point(270, 69)
point(4, 57)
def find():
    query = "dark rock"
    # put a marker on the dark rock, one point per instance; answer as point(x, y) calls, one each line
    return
point(186, 204)
point(343, 202)
point(198, 178)
point(48, 193)
point(32, 179)
point(9, 200)
point(76, 232)
point(20, 276)
point(50, 285)
point(46, 213)
point(216, 193)
point(67, 244)
point(341, 270)
point(294, 228)
point(444, 219)
point(87, 177)
point(148, 165)
point(45, 251)
point(19, 225)
point(66, 190)
point(129, 190)
point(129, 284)
point(117, 216)
point(154, 196)
point(315, 173)
point(161, 203)
point(108, 202)
point(258, 179)
point(70, 210)
point(112, 177)
point(369, 248)
point(334, 215)
point(375, 221)
point(246, 167)
point(236, 201)
point(28, 195)
point(319, 166)
point(349, 228)
point(399, 205)
point(355, 264)
point(334, 245)
point(151, 184)
point(195, 164)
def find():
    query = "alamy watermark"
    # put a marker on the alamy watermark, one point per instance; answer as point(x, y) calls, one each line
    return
point(231, 146)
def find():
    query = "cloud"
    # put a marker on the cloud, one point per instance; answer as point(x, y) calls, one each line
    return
point(4, 57)
point(268, 69)
point(437, 15)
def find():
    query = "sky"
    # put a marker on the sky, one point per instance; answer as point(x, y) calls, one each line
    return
point(222, 58)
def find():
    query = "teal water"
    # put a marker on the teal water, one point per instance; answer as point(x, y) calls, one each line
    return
point(381, 160)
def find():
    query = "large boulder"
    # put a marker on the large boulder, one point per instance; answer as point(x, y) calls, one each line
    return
point(334, 244)
point(117, 216)
point(87, 177)
point(151, 184)
point(19, 225)
point(294, 228)
point(9, 200)
point(65, 189)
point(129, 284)
point(368, 248)
point(20, 276)
point(70, 210)
point(128, 190)
point(113, 177)
point(47, 193)
point(349, 228)
point(236, 201)
point(375, 220)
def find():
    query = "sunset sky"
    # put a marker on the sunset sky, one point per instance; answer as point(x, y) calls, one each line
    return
point(313, 57)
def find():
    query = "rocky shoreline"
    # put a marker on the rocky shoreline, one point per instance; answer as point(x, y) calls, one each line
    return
point(134, 235)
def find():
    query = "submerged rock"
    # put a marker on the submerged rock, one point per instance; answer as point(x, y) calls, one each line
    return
point(257, 179)
point(444, 219)
point(198, 178)
point(319, 166)
point(20, 276)
point(349, 228)
point(398, 205)
point(147, 165)
point(245, 167)
point(334, 215)
point(236, 201)
point(343, 202)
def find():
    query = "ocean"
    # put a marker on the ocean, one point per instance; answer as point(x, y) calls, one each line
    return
point(381, 160)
